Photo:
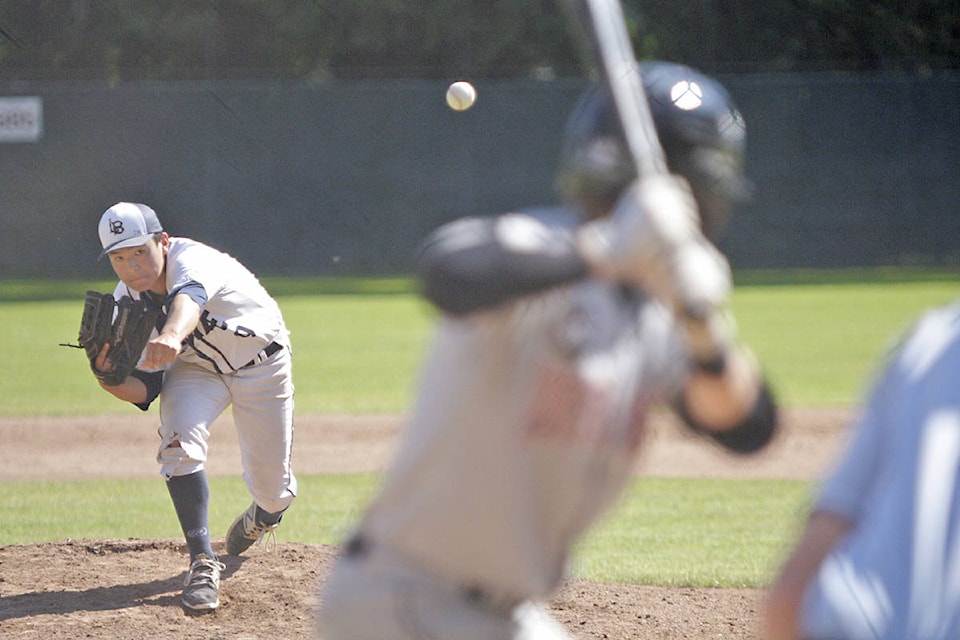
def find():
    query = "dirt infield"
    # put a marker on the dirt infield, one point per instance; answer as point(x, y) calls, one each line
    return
point(130, 588)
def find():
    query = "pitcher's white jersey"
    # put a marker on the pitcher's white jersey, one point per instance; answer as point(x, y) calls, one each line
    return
point(549, 396)
point(897, 574)
point(239, 317)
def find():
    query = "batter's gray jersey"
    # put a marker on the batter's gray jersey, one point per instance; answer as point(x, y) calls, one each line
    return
point(897, 575)
point(525, 431)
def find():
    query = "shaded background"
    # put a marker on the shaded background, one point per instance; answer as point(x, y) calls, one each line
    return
point(312, 138)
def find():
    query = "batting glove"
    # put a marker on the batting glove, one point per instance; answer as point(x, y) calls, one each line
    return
point(652, 240)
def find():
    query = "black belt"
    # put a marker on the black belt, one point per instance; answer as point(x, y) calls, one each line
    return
point(268, 351)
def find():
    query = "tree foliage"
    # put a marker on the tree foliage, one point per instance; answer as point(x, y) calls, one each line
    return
point(118, 40)
point(801, 35)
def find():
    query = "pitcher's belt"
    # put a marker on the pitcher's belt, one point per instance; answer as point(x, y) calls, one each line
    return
point(268, 351)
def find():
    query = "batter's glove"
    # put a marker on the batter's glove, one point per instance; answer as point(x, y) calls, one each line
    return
point(124, 324)
point(652, 240)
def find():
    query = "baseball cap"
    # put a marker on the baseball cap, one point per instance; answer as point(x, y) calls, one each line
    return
point(127, 224)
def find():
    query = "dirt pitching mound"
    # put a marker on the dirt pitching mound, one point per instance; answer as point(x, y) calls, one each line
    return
point(130, 589)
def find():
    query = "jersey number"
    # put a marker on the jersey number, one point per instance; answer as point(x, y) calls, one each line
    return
point(209, 323)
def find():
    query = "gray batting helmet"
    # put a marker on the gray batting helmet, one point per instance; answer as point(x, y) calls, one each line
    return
point(702, 133)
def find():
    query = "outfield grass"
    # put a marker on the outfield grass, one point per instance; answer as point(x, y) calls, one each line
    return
point(140, 508)
point(704, 532)
point(696, 532)
point(353, 353)
point(358, 345)
point(820, 343)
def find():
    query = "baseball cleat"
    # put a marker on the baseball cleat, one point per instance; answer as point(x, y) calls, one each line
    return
point(202, 584)
point(246, 530)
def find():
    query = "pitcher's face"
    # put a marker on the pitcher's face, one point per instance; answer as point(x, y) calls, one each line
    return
point(142, 268)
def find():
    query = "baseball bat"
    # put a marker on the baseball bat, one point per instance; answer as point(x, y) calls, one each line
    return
point(605, 30)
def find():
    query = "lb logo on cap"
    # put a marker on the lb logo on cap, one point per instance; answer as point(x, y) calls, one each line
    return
point(127, 224)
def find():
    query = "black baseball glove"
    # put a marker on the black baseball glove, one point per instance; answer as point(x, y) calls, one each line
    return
point(126, 331)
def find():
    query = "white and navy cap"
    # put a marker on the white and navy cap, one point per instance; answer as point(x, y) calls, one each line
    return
point(127, 224)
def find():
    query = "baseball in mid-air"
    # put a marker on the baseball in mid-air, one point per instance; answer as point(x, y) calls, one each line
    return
point(461, 95)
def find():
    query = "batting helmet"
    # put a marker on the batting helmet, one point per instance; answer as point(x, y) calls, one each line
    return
point(700, 129)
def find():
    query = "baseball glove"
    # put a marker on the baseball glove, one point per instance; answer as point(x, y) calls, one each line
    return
point(125, 324)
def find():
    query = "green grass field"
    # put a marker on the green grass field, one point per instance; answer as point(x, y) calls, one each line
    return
point(357, 348)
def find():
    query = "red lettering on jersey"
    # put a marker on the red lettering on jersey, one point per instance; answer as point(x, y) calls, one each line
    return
point(567, 407)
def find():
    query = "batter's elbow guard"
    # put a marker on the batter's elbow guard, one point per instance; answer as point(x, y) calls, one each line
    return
point(454, 273)
point(436, 285)
point(429, 269)
point(752, 433)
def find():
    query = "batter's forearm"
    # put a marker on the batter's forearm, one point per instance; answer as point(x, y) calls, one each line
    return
point(719, 399)
point(732, 404)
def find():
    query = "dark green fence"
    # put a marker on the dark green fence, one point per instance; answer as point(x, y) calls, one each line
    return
point(346, 177)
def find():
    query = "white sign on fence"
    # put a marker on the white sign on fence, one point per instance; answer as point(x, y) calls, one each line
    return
point(21, 119)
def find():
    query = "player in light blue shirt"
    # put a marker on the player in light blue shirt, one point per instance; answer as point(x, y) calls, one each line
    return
point(880, 555)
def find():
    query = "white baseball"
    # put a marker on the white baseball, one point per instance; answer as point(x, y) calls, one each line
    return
point(461, 95)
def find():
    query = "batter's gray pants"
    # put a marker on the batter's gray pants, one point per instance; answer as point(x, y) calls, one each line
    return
point(373, 594)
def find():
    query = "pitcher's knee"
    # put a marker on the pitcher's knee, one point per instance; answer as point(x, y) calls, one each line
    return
point(175, 460)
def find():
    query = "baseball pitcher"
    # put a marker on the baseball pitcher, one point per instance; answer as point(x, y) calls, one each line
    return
point(218, 340)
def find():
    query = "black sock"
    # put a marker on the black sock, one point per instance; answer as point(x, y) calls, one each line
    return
point(191, 497)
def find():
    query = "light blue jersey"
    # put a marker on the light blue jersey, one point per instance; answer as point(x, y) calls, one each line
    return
point(897, 575)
